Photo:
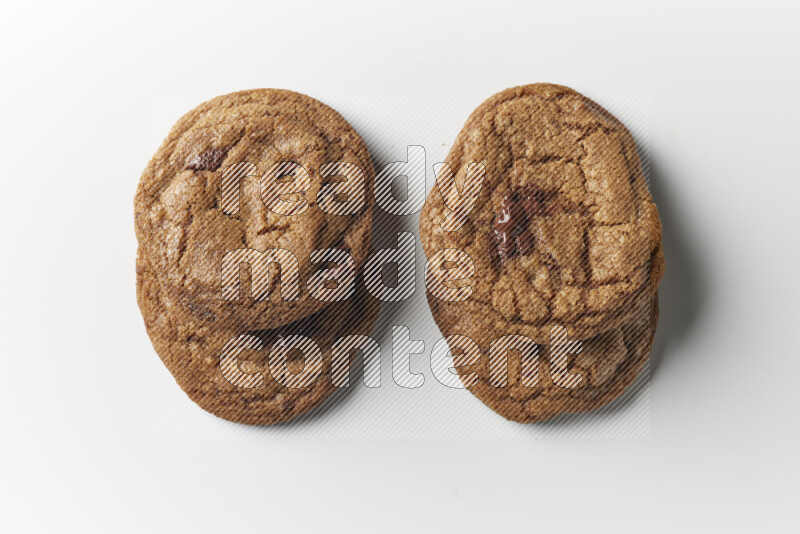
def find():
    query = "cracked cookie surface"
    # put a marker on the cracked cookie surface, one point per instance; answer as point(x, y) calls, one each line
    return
point(191, 351)
point(564, 231)
point(184, 221)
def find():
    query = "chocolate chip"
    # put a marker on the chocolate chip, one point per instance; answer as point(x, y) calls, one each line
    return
point(532, 201)
point(525, 243)
point(509, 227)
point(210, 160)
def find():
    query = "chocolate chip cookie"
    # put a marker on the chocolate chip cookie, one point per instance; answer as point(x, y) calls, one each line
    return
point(250, 172)
point(239, 375)
point(564, 243)
point(564, 231)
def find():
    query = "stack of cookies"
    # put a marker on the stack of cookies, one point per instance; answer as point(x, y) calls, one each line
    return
point(238, 176)
point(564, 242)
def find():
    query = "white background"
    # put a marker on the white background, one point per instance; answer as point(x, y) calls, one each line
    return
point(88, 438)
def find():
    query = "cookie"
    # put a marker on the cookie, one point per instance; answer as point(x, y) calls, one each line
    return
point(586, 376)
point(564, 232)
point(258, 385)
point(226, 180)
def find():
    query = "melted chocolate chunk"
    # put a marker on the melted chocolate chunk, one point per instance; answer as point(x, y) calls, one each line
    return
point(210, 160)
point(510, 226)
point(525, 243)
